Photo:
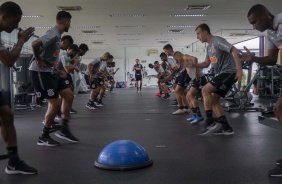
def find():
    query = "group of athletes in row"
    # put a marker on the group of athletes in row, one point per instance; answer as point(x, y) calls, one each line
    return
point(50, 81)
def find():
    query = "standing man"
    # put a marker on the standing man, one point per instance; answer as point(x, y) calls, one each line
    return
point(225, 60)
point(93, 71)
point(10, 16)
point(262, 20)
point(138, 68)
point(47, 82)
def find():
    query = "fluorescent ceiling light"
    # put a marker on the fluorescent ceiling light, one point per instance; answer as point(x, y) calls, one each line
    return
point(126, 15)
point(32, 16)
point(188, 15)
point(181, 26)
point(127, 39)
point(175, 31)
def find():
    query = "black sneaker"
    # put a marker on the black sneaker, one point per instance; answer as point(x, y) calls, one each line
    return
point(67, 135)
point(166, 97)
point(91, 106)
point(20, 168)
point(276, 172)
point(72, 111)
point(47, 141)
point(279, 161)
point(221, 131)
point(206, 129)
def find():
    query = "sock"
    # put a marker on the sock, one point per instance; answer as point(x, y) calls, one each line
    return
point(193, 110)
point(45, 131)
point(209, 120)
point(13, 155)
point(198, 112)
point(185, 107)
point(223, 121)
point(181, 107)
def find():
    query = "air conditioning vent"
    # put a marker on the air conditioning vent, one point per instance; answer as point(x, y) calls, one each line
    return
point(69, 8)
point(162, 41)
point(239, 34)
point(97, 43)
point(88, 31)
point(175, 31)
point(197, 7)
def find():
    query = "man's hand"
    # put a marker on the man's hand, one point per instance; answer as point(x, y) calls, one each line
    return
point(239, 75)
point(24, 35)
point(246, 56)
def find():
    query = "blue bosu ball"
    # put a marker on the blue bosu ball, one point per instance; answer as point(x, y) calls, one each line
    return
point(123, 155)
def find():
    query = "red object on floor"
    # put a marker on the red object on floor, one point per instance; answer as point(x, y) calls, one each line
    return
point(169, 91)
point(158, 94)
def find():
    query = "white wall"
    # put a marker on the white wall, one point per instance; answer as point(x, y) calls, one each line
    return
point(124, 57)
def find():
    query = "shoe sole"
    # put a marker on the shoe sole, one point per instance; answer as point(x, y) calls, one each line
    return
point(178, 113)
point(209, 130)
point(65, 138)
point(91, 108)
point(196, 121)
point(46, 144)
point(17, 172)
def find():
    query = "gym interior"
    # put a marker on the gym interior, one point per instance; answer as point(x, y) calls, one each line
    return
point(130, 30)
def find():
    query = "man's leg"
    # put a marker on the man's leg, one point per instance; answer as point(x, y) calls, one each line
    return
point(67, 99)
point(8, 133)
point(179, 93)
point(278, 110)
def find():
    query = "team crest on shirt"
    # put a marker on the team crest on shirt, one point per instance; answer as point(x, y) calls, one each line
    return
point(93, 86)
point(50, 92)
point(38, 94)
point(213, 59)
point(67, 82)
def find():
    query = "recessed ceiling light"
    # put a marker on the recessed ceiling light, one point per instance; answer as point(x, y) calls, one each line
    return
point(129, 26)
point(32, 16)
point(126, 15)
point(43, 27)
point(84, 27)
point(188, 15)
point(180, 26)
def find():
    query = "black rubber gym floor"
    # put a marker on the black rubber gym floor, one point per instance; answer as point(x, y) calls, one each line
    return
point(179, 154)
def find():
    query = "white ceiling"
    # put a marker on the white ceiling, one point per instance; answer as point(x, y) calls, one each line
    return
point(224, 17)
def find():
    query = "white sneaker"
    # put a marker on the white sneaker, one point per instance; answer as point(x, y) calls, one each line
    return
point(186, 110)
point(179, 111)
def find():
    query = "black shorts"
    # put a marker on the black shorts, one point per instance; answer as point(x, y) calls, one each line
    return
point(47, 84)
point(197, 83)
point(183, 79)
point(68, 80)
point(138, 77)
point(110, 78)
point(223, 83)
point(2, 100)
point(96, 82)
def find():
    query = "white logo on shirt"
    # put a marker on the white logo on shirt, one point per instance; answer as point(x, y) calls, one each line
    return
point(50, 92)
point(38, 94)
